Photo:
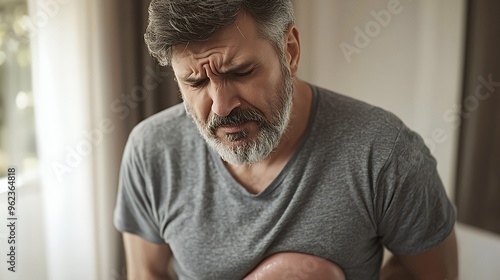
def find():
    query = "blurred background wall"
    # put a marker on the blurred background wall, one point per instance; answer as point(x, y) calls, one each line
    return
point(92, 81)
point(409, 57)
point(404, 56)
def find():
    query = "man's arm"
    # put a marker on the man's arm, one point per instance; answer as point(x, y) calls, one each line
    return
point(146, 260)
point(439, 263)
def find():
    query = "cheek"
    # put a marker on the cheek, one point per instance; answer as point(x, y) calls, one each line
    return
point(198, 106)
point(263, 92)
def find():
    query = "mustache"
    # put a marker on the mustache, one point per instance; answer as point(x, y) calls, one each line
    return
point(236, 117)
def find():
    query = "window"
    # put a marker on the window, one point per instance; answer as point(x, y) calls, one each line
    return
point(17, 126)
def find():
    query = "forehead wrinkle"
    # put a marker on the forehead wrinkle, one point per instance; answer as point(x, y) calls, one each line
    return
point(241, 32)
point(217, 60)
point(192, 65)
point(235, 64)
point(185, 48)
point(221, 53)
point(193, 75)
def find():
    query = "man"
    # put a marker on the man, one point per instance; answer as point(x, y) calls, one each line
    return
point(258, 166)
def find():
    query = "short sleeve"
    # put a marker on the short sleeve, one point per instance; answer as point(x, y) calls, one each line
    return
point(413, 211)
point(134, 212)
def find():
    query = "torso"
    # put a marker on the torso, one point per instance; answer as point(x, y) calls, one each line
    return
point(301, 204)
point(322, 201)
point(255, 178)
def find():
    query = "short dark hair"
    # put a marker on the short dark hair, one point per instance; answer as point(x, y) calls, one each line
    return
point(173, 22)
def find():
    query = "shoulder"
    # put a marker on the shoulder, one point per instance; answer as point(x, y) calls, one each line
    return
point(169, 124)
point(349, 113)
point(169, 130)
point(365, 138)
point(354, 124)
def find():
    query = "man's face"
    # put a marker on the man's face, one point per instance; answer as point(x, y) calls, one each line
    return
point(238, 91)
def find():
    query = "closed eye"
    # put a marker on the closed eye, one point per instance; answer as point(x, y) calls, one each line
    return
point(198, 84)
point(243, 74)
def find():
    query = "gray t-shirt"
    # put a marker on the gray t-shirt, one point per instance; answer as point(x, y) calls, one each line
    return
point(360, 179)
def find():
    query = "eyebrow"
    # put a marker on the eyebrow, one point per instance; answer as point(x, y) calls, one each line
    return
point(235, 69)
point(239, 68)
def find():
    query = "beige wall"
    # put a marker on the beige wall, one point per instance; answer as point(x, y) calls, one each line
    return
point(411, 67)
point(409, 64)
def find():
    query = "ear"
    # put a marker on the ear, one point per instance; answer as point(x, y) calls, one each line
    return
point(292, 49)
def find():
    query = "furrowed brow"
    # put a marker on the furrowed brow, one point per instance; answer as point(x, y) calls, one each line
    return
point(193, 80)
point(238, 68)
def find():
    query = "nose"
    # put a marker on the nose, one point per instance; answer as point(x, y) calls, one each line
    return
point(224, 97)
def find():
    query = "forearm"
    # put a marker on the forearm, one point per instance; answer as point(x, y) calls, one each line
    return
point(149, 276)
point(437, 263)
point(394, 270)
point(146, 260)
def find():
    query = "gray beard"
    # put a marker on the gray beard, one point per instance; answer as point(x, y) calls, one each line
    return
point(268, 137)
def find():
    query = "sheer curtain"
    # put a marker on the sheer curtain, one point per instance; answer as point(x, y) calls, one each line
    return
point(92, 81)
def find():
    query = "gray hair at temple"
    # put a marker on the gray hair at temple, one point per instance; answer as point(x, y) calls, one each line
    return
point(173, 22)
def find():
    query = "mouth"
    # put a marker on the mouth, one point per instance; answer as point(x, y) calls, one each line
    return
point(235, 134)
point(230, 129)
